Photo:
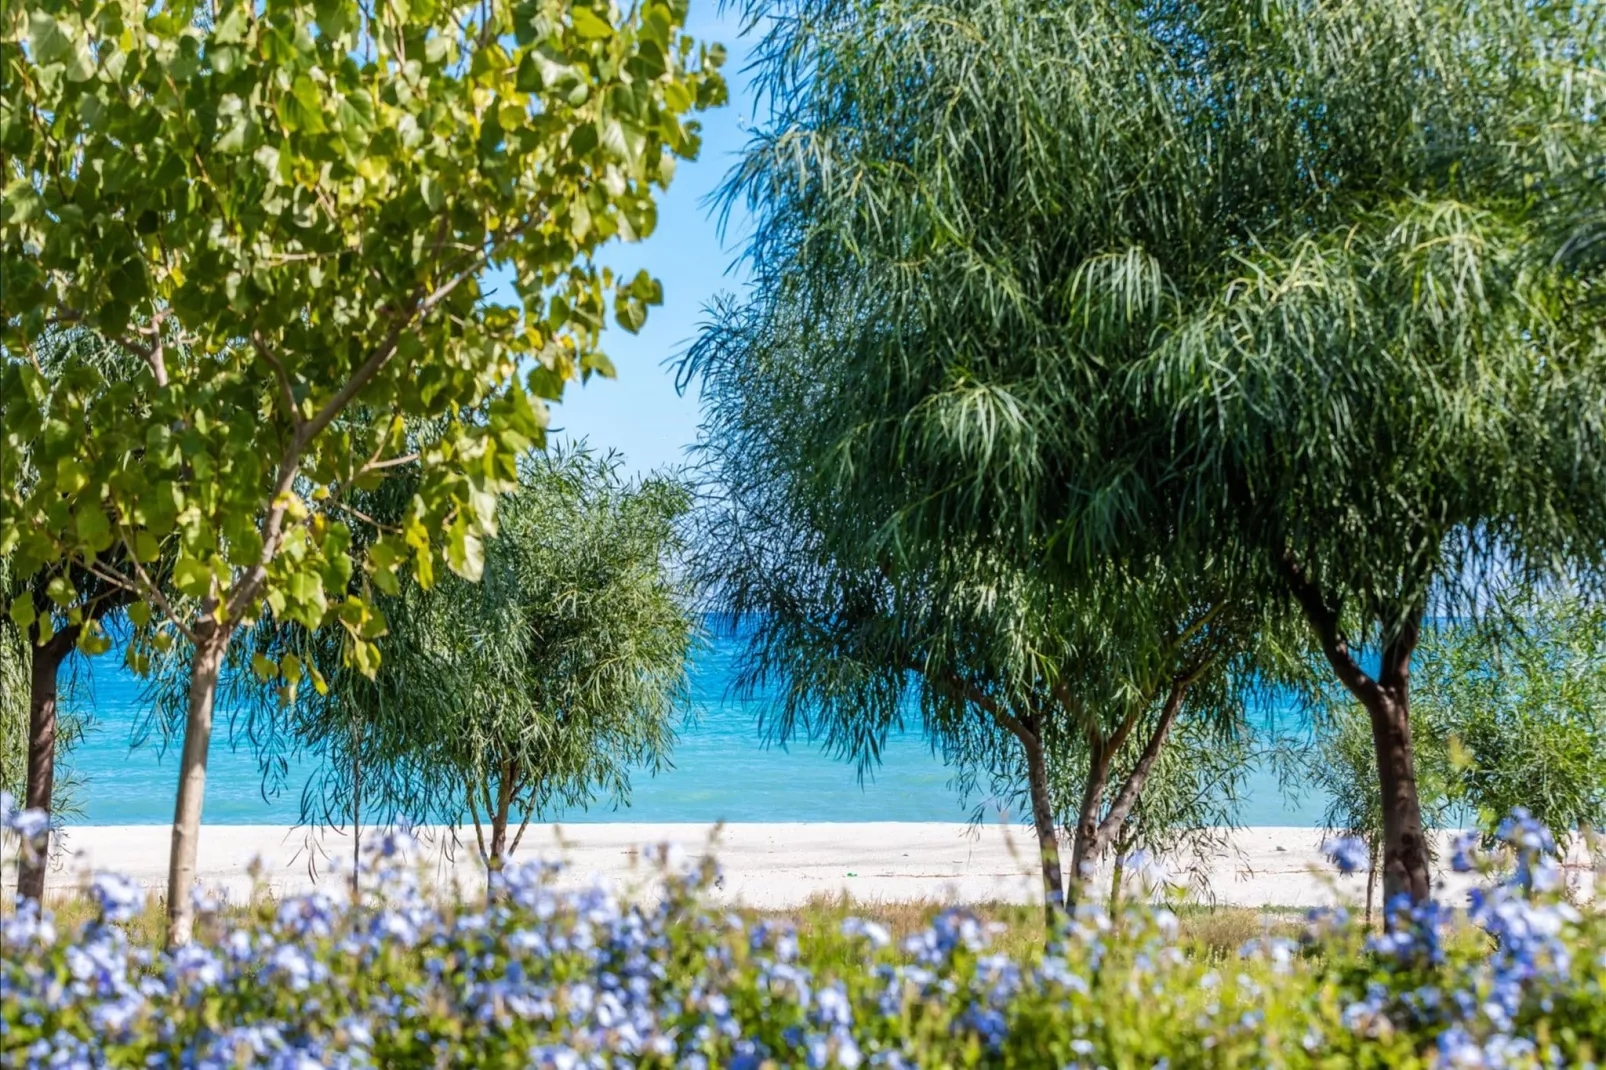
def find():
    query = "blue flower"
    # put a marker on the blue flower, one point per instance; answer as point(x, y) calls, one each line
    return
point(1348, 853)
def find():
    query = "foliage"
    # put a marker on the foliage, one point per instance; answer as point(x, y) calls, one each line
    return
point(14, 671)
point(538, 688)
point(902, 408)
point(290, 207)
point(566, 979)
point(1521, 706)
point(1252, 287)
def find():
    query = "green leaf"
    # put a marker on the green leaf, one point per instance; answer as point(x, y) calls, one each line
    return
point(589, 24)
point(93, 642)
point(71, 476)
point(232, 27)
point(61, 591)
point(465, 554)
point(264, 667)
point(22, 611)
point(192, 576)
point(93, 529)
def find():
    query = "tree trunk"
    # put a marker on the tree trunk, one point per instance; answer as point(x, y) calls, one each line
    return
point(1371, 880)
point(1405, 858)
point(213, 641)
point(1387, 701)
point(1048, 846)
point(42, 693)
point(1085, 843)
point(356, 812)
point(1113, 826)
point(1117, 871)
point(499, 819)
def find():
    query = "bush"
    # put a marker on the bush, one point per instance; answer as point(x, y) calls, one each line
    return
point(577, 978)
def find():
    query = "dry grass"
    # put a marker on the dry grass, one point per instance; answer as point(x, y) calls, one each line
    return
point(1205, 930)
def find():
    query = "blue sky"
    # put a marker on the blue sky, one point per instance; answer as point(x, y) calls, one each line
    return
point(639, 413)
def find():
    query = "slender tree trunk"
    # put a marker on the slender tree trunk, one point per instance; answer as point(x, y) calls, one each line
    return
point(42, 693)
point(1048, 846)
point(1085, 843)
point(1113, 826)
point(499, 818)
point(213, 641)
point(1117, 871)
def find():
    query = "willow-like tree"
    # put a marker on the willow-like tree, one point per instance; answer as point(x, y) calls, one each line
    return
point(287, 210)
point(1013, 671)
point(1251, 286)
point(541, 687)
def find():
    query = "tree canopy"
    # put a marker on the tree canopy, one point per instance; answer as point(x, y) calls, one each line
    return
point(541, 687)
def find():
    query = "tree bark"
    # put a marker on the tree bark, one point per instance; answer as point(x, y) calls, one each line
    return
point(213, 641)
point(43, 689)
point(356, 812)
point(1371, 880)
point(1048, 846)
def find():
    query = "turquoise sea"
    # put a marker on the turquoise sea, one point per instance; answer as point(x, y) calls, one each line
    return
point(722, 770)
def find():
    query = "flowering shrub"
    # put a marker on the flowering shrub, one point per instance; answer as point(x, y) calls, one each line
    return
point(539, 976)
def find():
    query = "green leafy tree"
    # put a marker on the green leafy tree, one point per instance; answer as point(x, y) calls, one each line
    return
point(928, 376)
point(1520, 704)
point(1382, 397)
point(1012, 669)
point(540, 687)
point(287, 210)
point(1251, 287)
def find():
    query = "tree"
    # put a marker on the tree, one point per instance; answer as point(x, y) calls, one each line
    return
point(1249, 286)
point(542, 686)
point(288, 211)
point(1011, 668)
point(1344, 769)
point(1509, 712)
point(1384, 399)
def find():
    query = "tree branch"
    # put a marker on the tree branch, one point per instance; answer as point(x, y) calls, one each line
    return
point(145, 589)
point(1397, 651)
point(286, 394)
point(1127, 797)
point(1324, 619)
point(969, 692)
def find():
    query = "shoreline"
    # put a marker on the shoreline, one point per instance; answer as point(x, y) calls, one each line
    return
point(763, 865)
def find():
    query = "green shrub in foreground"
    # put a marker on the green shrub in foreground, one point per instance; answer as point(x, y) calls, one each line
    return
point(570, 979)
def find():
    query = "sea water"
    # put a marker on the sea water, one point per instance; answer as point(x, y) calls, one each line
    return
point(722, 769)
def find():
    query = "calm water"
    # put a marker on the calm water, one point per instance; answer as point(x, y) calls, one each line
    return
point(722, 771)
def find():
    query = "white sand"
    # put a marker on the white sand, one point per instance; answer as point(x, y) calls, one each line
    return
point(763, 865)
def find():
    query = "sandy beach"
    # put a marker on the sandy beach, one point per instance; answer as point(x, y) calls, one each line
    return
point(762, 865)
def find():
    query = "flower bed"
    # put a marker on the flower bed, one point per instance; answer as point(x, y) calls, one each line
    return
point(570, 979)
